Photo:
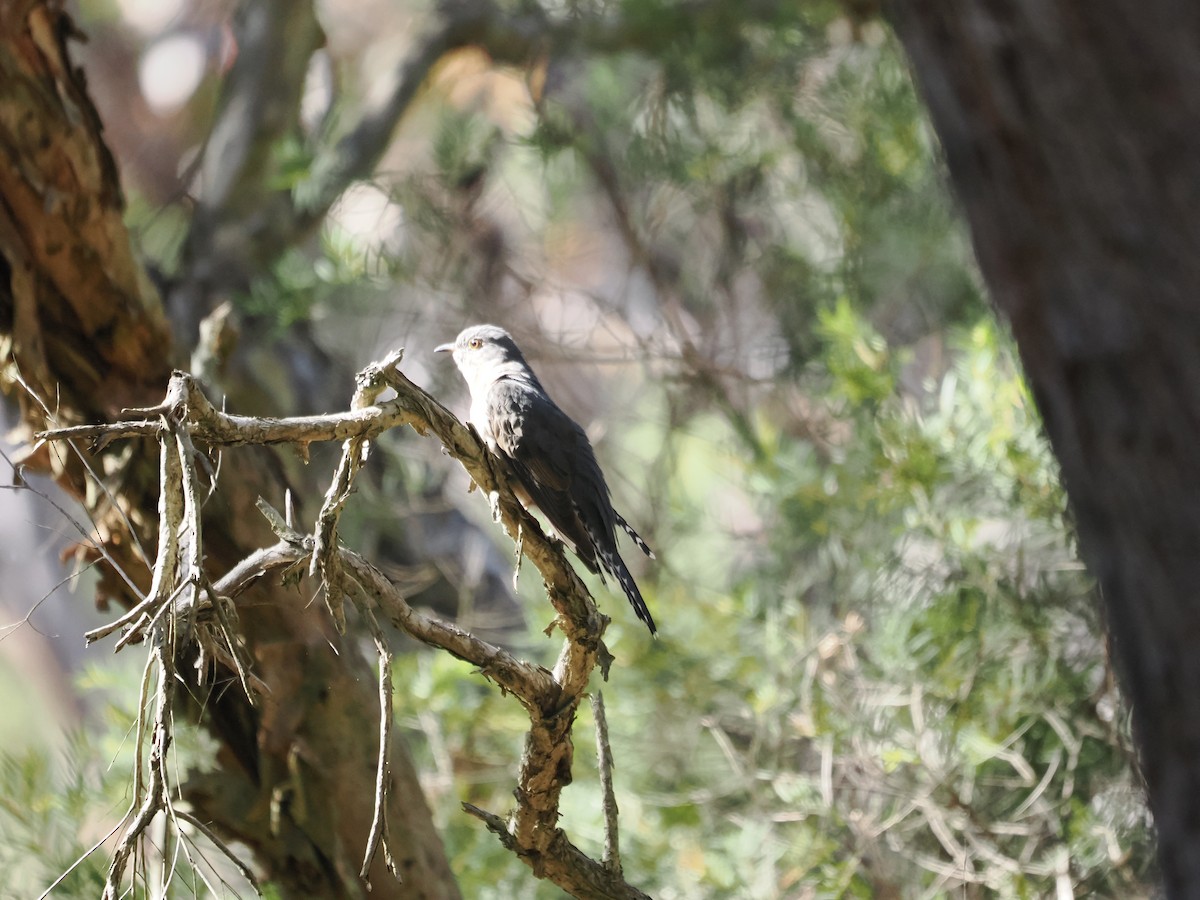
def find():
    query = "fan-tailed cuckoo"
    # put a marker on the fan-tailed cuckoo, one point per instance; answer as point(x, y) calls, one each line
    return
point(549, 453)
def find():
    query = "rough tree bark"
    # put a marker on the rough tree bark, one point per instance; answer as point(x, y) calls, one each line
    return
point(82, 326)
point(1071, 129)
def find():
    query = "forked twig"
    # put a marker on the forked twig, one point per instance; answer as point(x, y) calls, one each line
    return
point(179, 611)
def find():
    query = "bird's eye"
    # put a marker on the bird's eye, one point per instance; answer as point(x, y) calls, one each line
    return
point(475, 343)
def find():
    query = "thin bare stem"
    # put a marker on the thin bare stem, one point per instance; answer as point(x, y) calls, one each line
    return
point(379, 825)
point(604, 761)
point(242, 868)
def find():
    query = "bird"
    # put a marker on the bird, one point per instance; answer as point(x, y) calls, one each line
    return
point(548, 452)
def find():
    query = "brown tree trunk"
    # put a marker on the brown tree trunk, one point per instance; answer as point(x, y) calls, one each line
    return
point(1072, 133)
point(81, 325)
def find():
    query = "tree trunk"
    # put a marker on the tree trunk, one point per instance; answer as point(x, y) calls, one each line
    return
point(1072, 133)
point(82, 326)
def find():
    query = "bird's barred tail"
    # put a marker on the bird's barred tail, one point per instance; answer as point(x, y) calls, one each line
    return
point(616, 567)
point(634, 536)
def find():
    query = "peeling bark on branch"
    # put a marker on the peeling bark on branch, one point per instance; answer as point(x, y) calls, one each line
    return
point(84, 323)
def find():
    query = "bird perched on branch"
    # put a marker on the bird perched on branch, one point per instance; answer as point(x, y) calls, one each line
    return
point(549, 453)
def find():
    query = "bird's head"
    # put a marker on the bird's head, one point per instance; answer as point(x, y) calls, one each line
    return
point(484, 353)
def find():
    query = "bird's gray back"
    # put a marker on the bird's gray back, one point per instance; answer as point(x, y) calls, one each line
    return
point(550, 455)
point(555, 460)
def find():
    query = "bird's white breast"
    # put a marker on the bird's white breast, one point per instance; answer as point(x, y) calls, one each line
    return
point(479, 418)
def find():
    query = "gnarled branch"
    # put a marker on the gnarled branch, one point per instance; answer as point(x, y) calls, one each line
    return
point(551, 699)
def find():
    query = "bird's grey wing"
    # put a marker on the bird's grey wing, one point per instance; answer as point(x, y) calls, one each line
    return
point(543, 446)
point(552, 456)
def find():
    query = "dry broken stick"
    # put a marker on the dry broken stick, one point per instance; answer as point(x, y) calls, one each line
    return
point(369, 384)
point(579, 618)
point(604, 762)
point(550, 698)
point(531, 831)
point(555, 858)
point(166, 620)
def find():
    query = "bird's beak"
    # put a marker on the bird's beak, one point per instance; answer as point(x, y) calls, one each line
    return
point(444, 348)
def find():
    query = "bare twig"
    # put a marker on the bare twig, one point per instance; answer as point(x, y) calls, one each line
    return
point(370, 383)
point(172, 507)
point(604, 762)
point(379, 824)
point(86, 463)
point(325, 564)
point(156, 796)
point(579, 618)
point(180, 610)
point(166, 617)
point(576, 872)
point(242, 868)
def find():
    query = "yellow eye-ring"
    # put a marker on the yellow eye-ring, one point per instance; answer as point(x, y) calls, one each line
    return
point(474, 343)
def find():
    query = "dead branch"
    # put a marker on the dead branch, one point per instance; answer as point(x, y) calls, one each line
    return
point(604, 762)
point(180, 610)
point(166, 618)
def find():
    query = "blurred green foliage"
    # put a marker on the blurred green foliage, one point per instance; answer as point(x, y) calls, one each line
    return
point(48, 809)
point(902, 692)
point(61, 802)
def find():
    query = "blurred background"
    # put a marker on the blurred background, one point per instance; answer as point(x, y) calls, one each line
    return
point(722, 235)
